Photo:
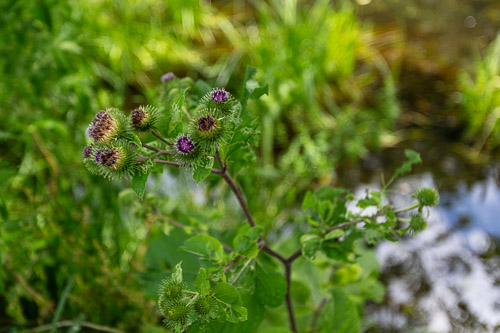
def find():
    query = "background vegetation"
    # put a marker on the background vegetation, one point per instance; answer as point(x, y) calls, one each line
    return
point(75, 247)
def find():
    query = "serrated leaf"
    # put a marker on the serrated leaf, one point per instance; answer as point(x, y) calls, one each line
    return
point(138, 183)
point(203, 168)
point(270, 286)
point(345, 315)
point(413, 158)
point(204, 246)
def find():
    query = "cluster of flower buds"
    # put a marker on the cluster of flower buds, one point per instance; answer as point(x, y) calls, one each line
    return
point(180, 307)
point(209, 128)
point(113, 148)
point(111, 151)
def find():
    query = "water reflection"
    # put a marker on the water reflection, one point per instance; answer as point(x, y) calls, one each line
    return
point(445, 279)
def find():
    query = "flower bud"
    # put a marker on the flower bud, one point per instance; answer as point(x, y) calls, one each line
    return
point(206, 308)
point(144, 117)
point(417, 223)
point(178, 315)
point(427, 196)
point(208, 130)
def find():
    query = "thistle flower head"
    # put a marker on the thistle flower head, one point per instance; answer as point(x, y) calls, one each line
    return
point(219, 95)
point(144, 117)
point(219, 100)
point(207, 124)
point(112, 158)
point(167, 77)
point(185, 145)
point(107, 125)
point(208, 129)
point(103, 126)
point(87, 152)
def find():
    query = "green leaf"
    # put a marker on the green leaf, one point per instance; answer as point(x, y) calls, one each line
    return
point(202, 282)
point(204, 246)
point(270, 286)
point(245, 242)
point(413, 158)
point(345, 314)
point(135, 139)
point(308, 202)
point(203, 168)
point(138, 183)
point(334, 234)
point(310, 245)
point(227, 294)
point(249, 73)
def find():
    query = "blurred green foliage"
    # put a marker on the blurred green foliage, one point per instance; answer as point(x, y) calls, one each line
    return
point(481, 99)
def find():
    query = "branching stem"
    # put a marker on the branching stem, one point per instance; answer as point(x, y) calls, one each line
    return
point(287, 262)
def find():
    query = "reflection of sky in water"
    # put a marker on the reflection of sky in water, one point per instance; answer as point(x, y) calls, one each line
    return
point(440, 280)
point(478, 207)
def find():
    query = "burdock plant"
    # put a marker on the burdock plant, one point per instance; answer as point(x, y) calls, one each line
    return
point(237, 283)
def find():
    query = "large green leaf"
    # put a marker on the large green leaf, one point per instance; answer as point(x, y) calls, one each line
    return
point(270, 286)
point(204, 246)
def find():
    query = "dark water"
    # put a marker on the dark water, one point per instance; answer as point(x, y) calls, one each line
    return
point(446, 279)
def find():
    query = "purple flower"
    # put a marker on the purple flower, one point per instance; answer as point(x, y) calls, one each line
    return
point(167, 77)
point(207, 124)
point(219, 95)
point(184, 144)
point(87, 152)
point(139, 117)
point(109, 157)
point(102, 126)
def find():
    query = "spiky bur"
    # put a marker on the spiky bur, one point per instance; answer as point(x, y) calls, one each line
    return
point(187, 150)
point(113, 160)
point(219, 99)
point(427, 196)
point(417, 223)
point(144, 118)
point(208, 130)
point(108, 125)
point(206, 307)
point(178, 315)
point(170, 290)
